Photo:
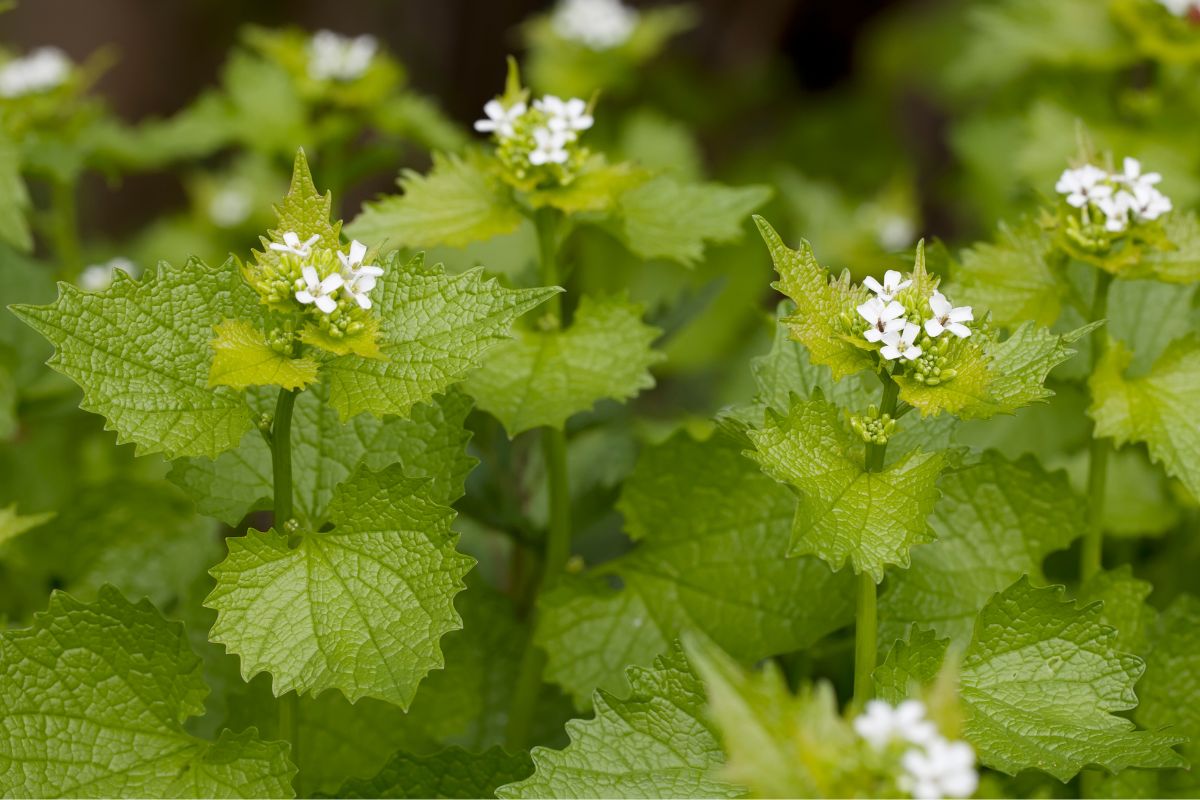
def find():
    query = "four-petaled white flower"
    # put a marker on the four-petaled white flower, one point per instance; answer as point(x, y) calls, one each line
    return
point(940, 769)
point(947, 318)
point(901, 344)
point(292, 244)
point(891, 286)
point(1121, 197)
point(1132, 176)
point(358, 278)
point(550, 149)
point(311, 289)
point(1084, 185)
point(332, 56)
point(884, 317)
point(880, 724)
point(566, 116)
point(500, 120)
point(40, 71)
point(598, 24)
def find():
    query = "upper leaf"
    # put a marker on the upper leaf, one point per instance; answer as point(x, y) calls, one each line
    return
point(304, 210)
point(453, 772)
point(1013, 278)
point(1181, 262)
point(544, 377)
point(911, 663)
point(14, 198)
point(95, 698)
point(360, 608)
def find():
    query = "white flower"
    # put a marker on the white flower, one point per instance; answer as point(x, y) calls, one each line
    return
point(947, 318)
point(1132, 175)
point(881, 724)
point(598, 24)
point(229, 207)
point(358, 278)
point(1083, 185)
point(1116, 210)
point(1180, 8)
point(892, 285)
point(568, 116)
point(40, 71)
point(1148, 203)
point(332, 56)
point(899, 344)
point(500, 119)
point(551, 147)
point(884, 317)
point(311, 289)
point(292, 244)
point(941, 769)
point(98, 277)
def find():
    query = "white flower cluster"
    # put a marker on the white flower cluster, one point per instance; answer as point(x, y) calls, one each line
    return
point(564, 120)
point(598, 24)
point(1181, 8)
point(355, 278)
point(98, 277)
point(40, 71)
point(933, 767)
point(888, 323)
point(1122, 197)
point(332, 56)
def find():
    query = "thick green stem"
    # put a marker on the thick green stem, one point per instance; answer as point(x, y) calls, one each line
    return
point(1092, 552)
point(65, 231)
point(281, 456)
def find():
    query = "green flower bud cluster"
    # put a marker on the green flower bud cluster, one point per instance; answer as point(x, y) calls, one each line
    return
point(514, 154)
point(278, 276)
point(932, 366)
point(873, 427)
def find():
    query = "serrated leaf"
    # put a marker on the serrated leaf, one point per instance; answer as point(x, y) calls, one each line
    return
point(1012, 278)
point(304, 210)
point(1147, 316)
point(1181, 263)
point(665, 218)
point(360, 608)
point(242, 357)
point(545, 377)
point(14, 198)
point(140, 351)
point(453, 772)
point(657, 742)
point(911, 663)
point(1159, 408)
point(95, 697)
point(433, 329)
point(457, 203)
point(429, 443)
point(1040, 684)
point(711, 531)
point(1124, 606)
point(996, 521)
point(844, 512)
point(595, 189)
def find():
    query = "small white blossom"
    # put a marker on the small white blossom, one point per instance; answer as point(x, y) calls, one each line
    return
point(42, 70)
point(98, 277)
point(292, 244)
point(500, 120)
point(895, 232)
point(900, 344)
point(312, 290)
point(566, 116)
point(947, 318)
point(332, 56)
point(1132, 175)
point(884, 317)
point(1083, 185)
point(940, 769)
point(1121, 197)
point(598, 24)
point(880, 724)
point(550, 149)
point(891, 286)
point(229, 207)
point(358, 278)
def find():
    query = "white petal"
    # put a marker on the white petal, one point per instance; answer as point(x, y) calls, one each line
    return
point(870, 310)
point(518, 109)
point(362, 300)
point(292, 240)
point(584, 122)
point(933, 328)
point(872, 334)
point(893, 325)
point(900, 287)
point(332, 283)
point(305, 297)
point(316, 237)
point(891, 277)
point(326, 304)
point(873, 285)
point(959, 330)
point(537, 157)
point(494, 109)
point(890, 352)
point(485, 125)
point(961, 314)
point(892, 310)
point(910, 333)
point(939, 304)
point(357, 251)
point(311, 278)
point(913, 353)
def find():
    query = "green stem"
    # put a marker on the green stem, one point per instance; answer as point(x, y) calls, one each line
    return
point(281, 456)
point(1091, 554)
point(65, 231)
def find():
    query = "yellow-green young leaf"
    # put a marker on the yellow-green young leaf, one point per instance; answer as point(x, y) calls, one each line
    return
point(304, 210)
point(452, 772)
point(821, 302)
point(433, 328)
point(141, 352)
point(14, 198)
point(359, 608)
point(664, 218)
point(242, 357)
point(95, 698)
point(361, 343)
point(596, 188)
point(1159, 408)
point(1013, 278)
point(457, 203)
point(711, 533)
point(844, 512)
point(1041, 683)
point(544, 377)
point(1181, 263)
point(911, 664)
point(656, 742)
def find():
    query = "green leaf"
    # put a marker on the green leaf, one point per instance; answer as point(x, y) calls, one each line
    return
point(912, 662)
point(996, 521)
point(711, 531)
point(13, 524)
point(657, 742)
point(95, 697)
point(457, 203)
point(1041, 682)
point(1180, 264)
point(451, 773)
point(664, 218)
point(1159, 408)
point(433, 329)
point(1147, 316)
point(304, 210)
point(140, 351)
point(844, 512)
point(430, 443)
point(360, 608)
point(1014, 278)
point(1124, 606)
point(544, 377)
point(242, 357)
point(597, 187)
point(14, 198)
